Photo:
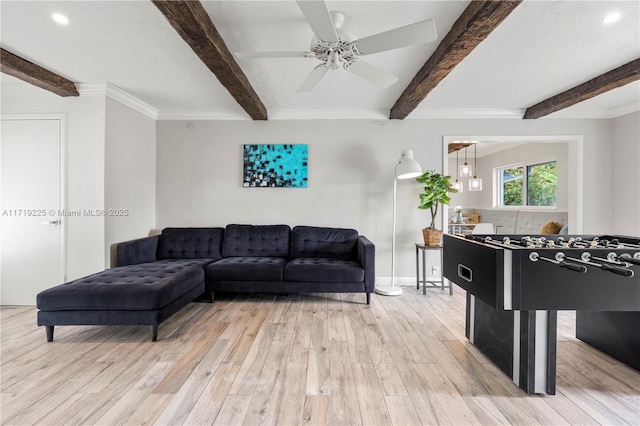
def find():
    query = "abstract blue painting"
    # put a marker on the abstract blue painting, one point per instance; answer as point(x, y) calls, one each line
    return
point(275, 166)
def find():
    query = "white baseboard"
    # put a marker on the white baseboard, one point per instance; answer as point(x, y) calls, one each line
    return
point(403, 281)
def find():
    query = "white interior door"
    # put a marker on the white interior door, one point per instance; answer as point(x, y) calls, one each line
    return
point(32, 231)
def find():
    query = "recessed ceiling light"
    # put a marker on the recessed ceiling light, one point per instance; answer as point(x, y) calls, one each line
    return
point(611, 18)
point(60, 18)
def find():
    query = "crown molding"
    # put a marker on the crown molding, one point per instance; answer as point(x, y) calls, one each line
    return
point(594, 113)
point(446, 113)
point(202, 115)
point(96, 89)
point(329, 114)
point(115, 93)
point(288, 114)
point(131, 101)
point(381, 114)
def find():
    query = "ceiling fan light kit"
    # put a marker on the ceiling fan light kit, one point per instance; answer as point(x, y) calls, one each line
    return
point(338, 48)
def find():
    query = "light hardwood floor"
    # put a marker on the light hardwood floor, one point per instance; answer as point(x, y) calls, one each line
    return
point(287, 360)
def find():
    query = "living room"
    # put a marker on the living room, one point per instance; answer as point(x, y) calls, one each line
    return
point(184, 169)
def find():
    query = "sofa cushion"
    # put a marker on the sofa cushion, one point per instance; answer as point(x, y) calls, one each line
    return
point(147, 286)
point(564, 230)
point(328, 243)
point(256, 241)
point(246, 268)
point(551, 228)
point(323, 270)
point(190, 243)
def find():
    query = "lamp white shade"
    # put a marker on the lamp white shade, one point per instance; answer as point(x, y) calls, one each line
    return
point(407, 167)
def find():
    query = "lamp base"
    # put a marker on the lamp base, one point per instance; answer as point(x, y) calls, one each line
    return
point(389, 290)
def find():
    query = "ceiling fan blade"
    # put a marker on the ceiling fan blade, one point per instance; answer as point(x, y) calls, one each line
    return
point(319, 20)
point(260, 55)
point(313, 79)
point(420, 32)
point(372, 74)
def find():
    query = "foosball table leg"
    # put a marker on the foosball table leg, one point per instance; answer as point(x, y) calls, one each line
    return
point(521, 343)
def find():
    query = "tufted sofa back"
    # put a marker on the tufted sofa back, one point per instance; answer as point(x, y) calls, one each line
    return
point(334, 243)
point(531, 222)
point(256, 241)
point(190, 243)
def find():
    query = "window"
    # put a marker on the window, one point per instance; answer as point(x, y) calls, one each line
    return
point(536, 187)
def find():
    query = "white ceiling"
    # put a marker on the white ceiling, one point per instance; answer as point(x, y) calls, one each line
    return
point(541, 49)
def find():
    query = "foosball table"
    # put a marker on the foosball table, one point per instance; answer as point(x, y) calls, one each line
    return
point(516, 284)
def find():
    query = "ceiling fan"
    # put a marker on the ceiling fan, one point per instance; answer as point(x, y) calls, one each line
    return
point(336, 47)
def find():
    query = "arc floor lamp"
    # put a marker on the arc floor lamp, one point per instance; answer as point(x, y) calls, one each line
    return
point(406, 168)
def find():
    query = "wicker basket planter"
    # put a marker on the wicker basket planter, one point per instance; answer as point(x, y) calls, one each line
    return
point(432, 237)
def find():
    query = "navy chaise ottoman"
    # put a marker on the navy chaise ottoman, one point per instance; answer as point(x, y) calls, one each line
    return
point(150, 285)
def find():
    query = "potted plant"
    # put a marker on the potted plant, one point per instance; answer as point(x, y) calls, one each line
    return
point(436, 191)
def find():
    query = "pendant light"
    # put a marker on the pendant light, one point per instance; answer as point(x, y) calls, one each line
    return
point(475, 184)
point(457, 185)
point(465, 169)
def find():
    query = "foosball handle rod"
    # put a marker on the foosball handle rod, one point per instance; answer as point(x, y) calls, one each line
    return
point(617, 242)
point(630, 259)
point(534, 257)
point(617, 270)
point(578, 268)
point(489, 240)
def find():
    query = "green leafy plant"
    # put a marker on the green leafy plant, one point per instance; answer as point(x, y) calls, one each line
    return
point(436, 191)
point(541, 183)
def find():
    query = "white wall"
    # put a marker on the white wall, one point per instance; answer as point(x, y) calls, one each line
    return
point(111, 161)
point(351, 164)
point(199, 167)
point(626, 174)
point(85, 169)
point(130, 174)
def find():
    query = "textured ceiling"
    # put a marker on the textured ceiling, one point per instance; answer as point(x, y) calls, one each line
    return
point(541, 49)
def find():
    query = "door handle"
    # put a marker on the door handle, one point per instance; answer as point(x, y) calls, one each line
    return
point(53, 222)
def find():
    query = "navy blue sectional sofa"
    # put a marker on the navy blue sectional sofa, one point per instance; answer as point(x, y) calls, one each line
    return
point(157, 276)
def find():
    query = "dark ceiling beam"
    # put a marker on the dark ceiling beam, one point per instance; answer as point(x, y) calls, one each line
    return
point(627, 73)
point(475, 24)
point(192, 22)
point(34, 74)
point(457, 146)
